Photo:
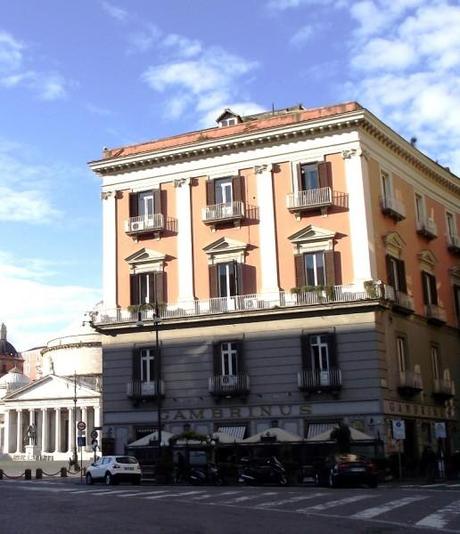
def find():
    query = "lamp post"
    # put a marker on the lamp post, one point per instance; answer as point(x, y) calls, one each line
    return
point(74, 423)
point(156, 322)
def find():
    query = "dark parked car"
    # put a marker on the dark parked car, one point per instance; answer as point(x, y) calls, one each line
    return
point(341, 469)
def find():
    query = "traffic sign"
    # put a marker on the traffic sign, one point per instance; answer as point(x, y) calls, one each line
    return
point(81, 425)
point(440, 430)
point(81, 441)
point(399, 429)
point(94, 434)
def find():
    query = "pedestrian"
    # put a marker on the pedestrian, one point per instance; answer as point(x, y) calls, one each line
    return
point(429, 464)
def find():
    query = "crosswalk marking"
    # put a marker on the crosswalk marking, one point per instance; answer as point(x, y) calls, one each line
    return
point(111, 492)
point(183, 494)
point(144, 493)
point(333, 504)
point(440, 518)
point(386, 507)
point(290, 500)
point(250, 497)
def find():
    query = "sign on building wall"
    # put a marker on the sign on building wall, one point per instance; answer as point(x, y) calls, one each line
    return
point(399, 429)
point(440, 430)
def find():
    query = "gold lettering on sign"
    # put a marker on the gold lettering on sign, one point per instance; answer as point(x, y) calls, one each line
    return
point(235, 412)
point(196, 414)
point(305, 409)
point(217, 413)
point(179, 415)
point(285, 410)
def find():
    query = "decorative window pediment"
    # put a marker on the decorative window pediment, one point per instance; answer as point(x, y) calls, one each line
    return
point(226, 249)
point(312, 238)
point(427, 260)
point(146, 260)
point(394, 244)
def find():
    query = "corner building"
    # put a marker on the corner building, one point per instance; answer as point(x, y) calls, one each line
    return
point(306, 262)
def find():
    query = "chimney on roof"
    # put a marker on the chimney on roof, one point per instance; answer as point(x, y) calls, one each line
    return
point(413, 142)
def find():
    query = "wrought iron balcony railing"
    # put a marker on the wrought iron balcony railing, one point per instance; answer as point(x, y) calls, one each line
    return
point(435, 314)
point(229, 385)
point(315, 380)
point(393, 208)
point(309, 199)
point(144, 224)
point(410, 383)
point(427, 228)
point(344, 294)
point(136, 389)
point(223, 212)
point(403, 302)
point(443, 389)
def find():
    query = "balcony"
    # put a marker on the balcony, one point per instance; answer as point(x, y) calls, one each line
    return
point(137, 390)
point(278, 301)
point(318, 381)
point(229, 211)
point(144, 224)
point(310, 199)
point(435, 314)
point(403, 303)
point(229, 385)
point(410, 383)
point(453, 243)
point(393, 208)
point(443, 389)
point(427, 228)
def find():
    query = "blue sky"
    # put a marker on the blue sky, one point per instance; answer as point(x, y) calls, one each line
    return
point(78, 76)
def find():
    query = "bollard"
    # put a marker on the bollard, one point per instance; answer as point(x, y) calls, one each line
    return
point(28, 474)
point(38, 474)
point(63, 472)
point(1, 474)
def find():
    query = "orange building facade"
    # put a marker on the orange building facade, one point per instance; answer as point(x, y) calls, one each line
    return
point(316, 242)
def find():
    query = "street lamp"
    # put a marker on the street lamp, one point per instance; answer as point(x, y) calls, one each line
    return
point(156, 323)
point(74, 423)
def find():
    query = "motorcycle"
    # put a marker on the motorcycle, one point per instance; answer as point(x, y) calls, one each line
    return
point(206, 474)
point(262, 471)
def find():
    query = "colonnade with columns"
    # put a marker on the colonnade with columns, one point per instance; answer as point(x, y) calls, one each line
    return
point(55, 428)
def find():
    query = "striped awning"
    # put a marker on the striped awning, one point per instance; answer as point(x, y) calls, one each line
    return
point(314, 429)
point(236, 432)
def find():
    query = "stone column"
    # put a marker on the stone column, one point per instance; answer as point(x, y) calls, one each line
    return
point(6, 432)
point(44, 430)
point(97, 416)
point(71, 429)
point(19, 437)
point(184, 241)
point(57, 430)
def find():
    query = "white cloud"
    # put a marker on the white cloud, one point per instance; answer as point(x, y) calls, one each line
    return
point(26, 206)
point(114, 11)
point(282, 5)
point(383, 54)
point(33, 309)
point(10, 52)
point(144, 39)
point(211, 80)
point(302, 36)
point(183, 46)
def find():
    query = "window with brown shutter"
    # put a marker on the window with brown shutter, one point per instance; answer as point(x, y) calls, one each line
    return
point(299, 270)
point(213, 283)
point(210, 193)
point(238, 188)
point(133, 205)
point(148, 287)
point(430, 292)
point(325, 174)
point(329, 267)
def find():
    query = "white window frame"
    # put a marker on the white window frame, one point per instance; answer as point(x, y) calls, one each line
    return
point(314, 254)
point(230, 121)
point(146, 201)
point(309, 164)
point(451, 225)
point(229, 358)
point(322, 352)
point(420, 214)
point(401, 350)
point(148, 359)
point(386, 182)
point(225, 186)
point(435, 362)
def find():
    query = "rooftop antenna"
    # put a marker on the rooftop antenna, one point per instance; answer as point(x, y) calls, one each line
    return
point(273, 108)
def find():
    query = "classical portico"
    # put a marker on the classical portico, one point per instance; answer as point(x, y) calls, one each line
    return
point(43, 414)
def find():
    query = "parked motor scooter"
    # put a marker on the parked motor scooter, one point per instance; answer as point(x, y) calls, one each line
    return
point(205, 474)
point(262, 471)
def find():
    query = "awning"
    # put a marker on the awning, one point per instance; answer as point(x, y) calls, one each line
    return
point(236, 432)
point(318, 428)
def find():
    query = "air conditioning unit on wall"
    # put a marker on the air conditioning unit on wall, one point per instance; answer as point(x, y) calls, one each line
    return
point(250, 303)
point(137, 226)
point(229, 381)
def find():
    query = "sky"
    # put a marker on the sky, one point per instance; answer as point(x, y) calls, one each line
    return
point(79, 76)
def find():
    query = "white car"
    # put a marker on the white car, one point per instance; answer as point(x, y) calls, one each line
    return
point(113, 469)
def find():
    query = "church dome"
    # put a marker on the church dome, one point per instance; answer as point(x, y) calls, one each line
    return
point(14, 379)
point(6, 348)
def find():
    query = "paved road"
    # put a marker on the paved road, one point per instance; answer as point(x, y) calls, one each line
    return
point(64, 506)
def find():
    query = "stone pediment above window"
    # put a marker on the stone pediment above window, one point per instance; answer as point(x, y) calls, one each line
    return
point(146, 260)
point(225, 249)
point(312, 238)
point(394, 244)
point(427, 260)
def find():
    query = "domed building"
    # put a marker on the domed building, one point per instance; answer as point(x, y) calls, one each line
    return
point(40, 417)
point(9, 356)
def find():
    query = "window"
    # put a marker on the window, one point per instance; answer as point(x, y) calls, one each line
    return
point(229, 358)
point(435, 365)
point(228, 122)
point(147, 365)
point(314, 269)
point(224, 191)
point(147, 288)
point(457, 301)
point(401, 353)
point(451, 229)
point(419, 208)
point(319, 352)
point(396, 273)
point(309, 178)
point(386, 186)
point(227, 276)
point(430, 292)
point(145, 204)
